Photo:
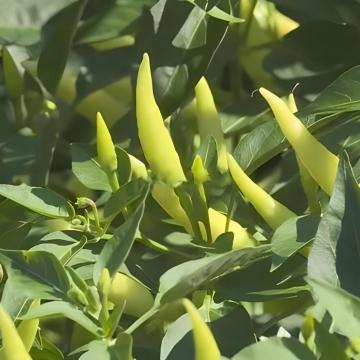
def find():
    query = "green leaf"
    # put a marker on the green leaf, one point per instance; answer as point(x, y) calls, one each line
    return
point(13, 239)
point(36, 274)
point(176, 70)
point(86, 168)
point(188, 276)
point(116, 249)
point(193, 32)
point(57, 35)
point(112, 21)
point(328, 345)
point(12, 70)
point(342, 306)
point(126, 195)
point(283, 283)
point(276, 348)
point(291, 236)
point(48, 351)
point(335, 255)
point(222, 15)
point(61, 308)
point(40, 200)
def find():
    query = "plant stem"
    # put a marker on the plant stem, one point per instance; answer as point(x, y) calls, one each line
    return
point(141, 320)
point(114, 182)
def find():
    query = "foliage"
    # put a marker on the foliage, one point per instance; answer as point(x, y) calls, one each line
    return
point(106, 252)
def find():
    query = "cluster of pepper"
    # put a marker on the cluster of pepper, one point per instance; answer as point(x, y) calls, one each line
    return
point(315, 161)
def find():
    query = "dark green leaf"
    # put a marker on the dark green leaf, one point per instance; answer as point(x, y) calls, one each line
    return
point(342, 306)
point(87, 170)
point(61, 308)
point(291, 236)
point(37, 274)
point(335, 254)
point(116, 249)
point(57, 35)
point(40, 200)
point(188, 276)
point(276, 348)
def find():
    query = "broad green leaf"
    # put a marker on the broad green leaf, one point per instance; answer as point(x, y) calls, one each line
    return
point(97, 349)
point(37, 274)
point(12, 70)
point(176, 70)
point(328, 345)
point(126, 195)
point(222, 15)
point(40, 200)
point(87, 170)
point(348, 242)
point(14, 301)
point(291, 236)
point(47, 138)
point(117, 248)
point(21, 20)
point(188, 276)
point(193, 32)
point(61, 308)
point(57, 35)
point(48, 351)
point(342, 306)
point(276, 348)
point(13, 239)
point(335, 254)
point(112, 21)
point(285, 282)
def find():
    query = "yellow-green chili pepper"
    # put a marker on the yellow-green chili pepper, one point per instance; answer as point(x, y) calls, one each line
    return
point(12, 346)
point(138, 298)
point(138, 168)
point(106, 151)
point(273, 212)
point(308, 183)
point(27, 329)
point(169, 201)
point(155, 138)
point(319, 161)
point(204, 342)
point(242, 238)
point(209, 122)
point(166, 197)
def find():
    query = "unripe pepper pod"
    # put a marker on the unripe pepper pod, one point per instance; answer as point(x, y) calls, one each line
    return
point(138, 298)
point(166, 197)
point(309, 185)
point(106, 152)
point(319, 161)
point(273, 212)
point(209, 122)
point(27, 329)
point(138, 168)
point(12, 346)
point(241, 239)
point(155, 139)
point(204, 343)
point(105, 146)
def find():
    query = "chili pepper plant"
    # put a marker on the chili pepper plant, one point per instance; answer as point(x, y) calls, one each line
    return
point(179, 180)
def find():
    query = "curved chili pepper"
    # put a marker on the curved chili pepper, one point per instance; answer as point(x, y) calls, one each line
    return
point(209, 122)
point(155, 140)
point(319, 161)
point(204, 342)
point(273, 212)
